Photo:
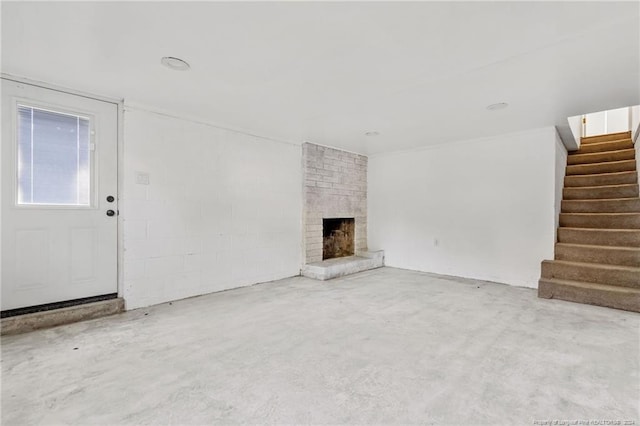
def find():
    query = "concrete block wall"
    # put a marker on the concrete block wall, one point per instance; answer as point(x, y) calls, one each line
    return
point(222, 209)
point(334, 185)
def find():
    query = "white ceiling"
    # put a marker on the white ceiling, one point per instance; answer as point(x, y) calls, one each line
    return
point(419, 73)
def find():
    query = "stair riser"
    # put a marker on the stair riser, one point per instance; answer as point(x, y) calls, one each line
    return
point(613, 167)
point(631, 221)
point(601, 157)
point(606, 298)
point(623, 178)
point(607, 256)
point(604, 147)
point(599, 238)
point(598, 193)
point(601, 206)
point(605, 138)
point(591, 274)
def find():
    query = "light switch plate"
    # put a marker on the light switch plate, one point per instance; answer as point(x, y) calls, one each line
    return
point(142, 178)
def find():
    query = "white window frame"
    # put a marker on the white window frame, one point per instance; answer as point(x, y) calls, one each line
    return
point(93, 154)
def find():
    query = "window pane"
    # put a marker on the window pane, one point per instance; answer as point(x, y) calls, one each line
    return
point(54, 164)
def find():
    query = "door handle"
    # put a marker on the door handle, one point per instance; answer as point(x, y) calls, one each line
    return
point(110, 213)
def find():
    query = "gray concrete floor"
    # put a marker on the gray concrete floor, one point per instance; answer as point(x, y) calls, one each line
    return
point(383, 346)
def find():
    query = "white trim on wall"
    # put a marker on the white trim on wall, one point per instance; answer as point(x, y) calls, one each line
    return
point(541, 130)
point(63, 89)
point(199, 120)
point(120, 165)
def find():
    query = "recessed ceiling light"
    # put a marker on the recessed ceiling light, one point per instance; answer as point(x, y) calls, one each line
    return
point(175, 63)
point(500, 105)
point(372, 133)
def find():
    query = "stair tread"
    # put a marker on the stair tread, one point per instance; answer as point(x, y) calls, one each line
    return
point(612, 142)
point(573, 228)
point(599, 179)
point(597, 205)
point(616, 185)
point(601, 200)
point(595, 175)
point(603, 213)
point(595, 246)
point(596, 200)
point(586, 176)
point(596, 265)
point(624, 132)
point(623, 135)
point(616, 232)
point(601, 162)
point(594, 286)
point(576, 153)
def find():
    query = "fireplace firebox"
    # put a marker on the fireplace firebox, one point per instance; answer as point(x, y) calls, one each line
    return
point(338, 237)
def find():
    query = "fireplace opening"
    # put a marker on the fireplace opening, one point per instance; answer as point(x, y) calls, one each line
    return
point(338, 237)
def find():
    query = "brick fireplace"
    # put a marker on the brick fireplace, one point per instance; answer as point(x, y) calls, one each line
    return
point(335, 214)
point(335, 186)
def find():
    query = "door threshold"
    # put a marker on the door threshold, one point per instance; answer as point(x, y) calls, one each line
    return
point(53, 316)
point(56, 305)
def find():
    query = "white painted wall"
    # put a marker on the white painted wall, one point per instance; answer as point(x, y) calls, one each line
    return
point(635, 122)
point(561, 169)
point(481, 208)
point(575, 124)
point(222, 209)
point(635, 131)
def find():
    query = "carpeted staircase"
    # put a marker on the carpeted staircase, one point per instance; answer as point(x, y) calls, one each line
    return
point(597, 256)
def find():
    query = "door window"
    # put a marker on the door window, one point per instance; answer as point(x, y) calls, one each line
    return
point(54, 158)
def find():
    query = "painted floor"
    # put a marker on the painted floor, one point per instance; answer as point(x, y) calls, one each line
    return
point(387, 346)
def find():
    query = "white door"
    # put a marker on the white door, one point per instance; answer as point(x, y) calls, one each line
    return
point(618, 120)
point(59, 202)
point(596, 123)
point(604, 122)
